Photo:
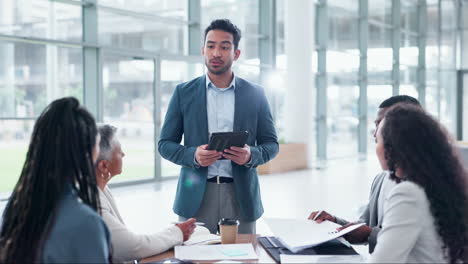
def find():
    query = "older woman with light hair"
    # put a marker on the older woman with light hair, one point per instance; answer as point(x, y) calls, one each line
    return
point(128, 246)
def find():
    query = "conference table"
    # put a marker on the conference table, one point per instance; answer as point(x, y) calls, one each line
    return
point(263, 256)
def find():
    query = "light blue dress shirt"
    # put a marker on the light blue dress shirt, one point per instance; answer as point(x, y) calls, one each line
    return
point(220, 109)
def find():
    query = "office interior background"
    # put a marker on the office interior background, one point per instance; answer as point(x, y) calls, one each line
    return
point(325, 65)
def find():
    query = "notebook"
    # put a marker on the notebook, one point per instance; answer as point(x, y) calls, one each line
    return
point(298, 234)
point(202, 236)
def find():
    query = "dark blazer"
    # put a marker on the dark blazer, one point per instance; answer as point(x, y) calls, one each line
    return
point(370, 214)
point(187, 116)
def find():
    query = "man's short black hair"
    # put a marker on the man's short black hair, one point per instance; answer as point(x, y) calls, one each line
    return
point(399, 99)
point(227, 26)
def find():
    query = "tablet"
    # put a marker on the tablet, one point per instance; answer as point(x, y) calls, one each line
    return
point(224, 140)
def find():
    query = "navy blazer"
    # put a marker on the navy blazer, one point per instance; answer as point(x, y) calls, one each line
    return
point(187, 116)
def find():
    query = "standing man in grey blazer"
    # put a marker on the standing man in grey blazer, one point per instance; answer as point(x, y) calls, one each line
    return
point(382, 184)
point(209, 187)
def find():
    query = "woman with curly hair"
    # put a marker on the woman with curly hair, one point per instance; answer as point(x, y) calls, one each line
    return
point(425, 214)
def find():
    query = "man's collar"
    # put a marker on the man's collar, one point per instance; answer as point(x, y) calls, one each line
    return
point(232, 84)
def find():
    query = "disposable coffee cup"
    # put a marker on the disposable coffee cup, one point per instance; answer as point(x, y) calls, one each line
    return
point(228, 229)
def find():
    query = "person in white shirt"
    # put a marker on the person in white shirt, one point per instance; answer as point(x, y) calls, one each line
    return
point(425, 214)
point(372, 214)
point(128, 246)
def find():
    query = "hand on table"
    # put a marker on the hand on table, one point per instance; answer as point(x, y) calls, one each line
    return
point(187, 228)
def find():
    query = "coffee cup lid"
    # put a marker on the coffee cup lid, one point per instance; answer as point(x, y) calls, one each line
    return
point(228, 221)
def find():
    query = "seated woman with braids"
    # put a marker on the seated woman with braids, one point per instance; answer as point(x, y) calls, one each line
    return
point(51, 215)
point(425, 214)
point(128, 246)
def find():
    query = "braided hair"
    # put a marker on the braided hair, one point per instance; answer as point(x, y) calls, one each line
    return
point(417, 144)
point(60, 153)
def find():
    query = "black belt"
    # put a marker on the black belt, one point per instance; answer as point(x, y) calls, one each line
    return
point(218, 179)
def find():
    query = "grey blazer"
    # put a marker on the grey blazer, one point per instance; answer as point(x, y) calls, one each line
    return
point(370, 215)
point(78, 234)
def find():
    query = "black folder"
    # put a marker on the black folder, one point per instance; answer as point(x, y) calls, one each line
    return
point(274, 247)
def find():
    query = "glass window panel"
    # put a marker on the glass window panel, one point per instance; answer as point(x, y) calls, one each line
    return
point(244, 14)
point(432, 91)
point(464, 101)
point(342, 137)
point(280, 17)
point(376, 94)
point(431, 40)
point(409, 15)
point(379, 55)
point(408, 74)
point(128, 105)
point(275, 90)
point(247, 71)
point(40, 18)
point(169, 80)
point(432, 53)
point(408, 41)
point(140, 33)
point(343, 118)
point(409, 89)
point(381, 10)
point(33, 75)
point(448, 50)
point(464, 50)
point(342, 98)
point(448, 100)
point(409, 61)
point(344, 63)
point(379, 78)
point(343, 28)
point(14, 141)
point(431, 100)
point(350, 6)
point(379, 36)
point(464, 15)
point(249, 47)
point(432, 20)
point(431, 76)
point(448, 18)
point(379, 63)
point(165, 8)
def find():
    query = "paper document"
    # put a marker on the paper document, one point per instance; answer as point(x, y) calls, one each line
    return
point(298, 234)
point(202, 236)
point(321, 259)
point(216, 252)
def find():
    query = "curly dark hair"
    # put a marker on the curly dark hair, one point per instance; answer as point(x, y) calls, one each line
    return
point(417, 144)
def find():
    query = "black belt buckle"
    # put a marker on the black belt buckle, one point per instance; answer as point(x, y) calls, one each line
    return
point(219, 180)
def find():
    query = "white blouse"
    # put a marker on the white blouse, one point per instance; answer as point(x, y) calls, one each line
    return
point(408, 232)
point(128, 246)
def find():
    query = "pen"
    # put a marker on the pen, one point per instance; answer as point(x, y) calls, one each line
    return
point(196, 223)
point(315, 217)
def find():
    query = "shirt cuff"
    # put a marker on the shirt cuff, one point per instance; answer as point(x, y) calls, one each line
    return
point(249, 164)
point(196, 163)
